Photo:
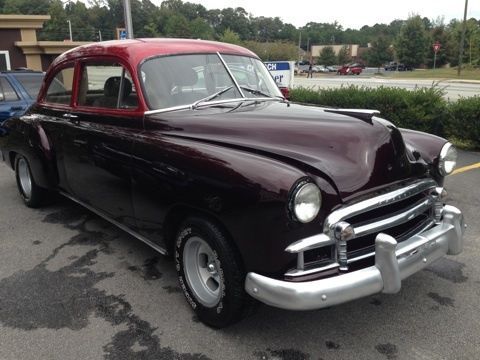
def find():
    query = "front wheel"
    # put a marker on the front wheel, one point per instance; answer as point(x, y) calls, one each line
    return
point(32, 195)
point(210, 273)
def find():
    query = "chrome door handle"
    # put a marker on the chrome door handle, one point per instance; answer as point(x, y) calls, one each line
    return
point(69, 116)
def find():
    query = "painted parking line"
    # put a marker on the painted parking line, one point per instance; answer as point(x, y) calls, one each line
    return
point(466, 168)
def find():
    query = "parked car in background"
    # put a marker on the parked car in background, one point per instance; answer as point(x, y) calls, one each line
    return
point(320, 69)
point(18, 90)
point(190, 147)
point(352, 69)
point(333, 68)
point(302, 66)
point(393, 66)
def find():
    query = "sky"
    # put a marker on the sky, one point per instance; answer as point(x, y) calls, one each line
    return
point(349, 13)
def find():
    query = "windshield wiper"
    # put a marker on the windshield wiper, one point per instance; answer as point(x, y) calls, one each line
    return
point(259, 92)
point(210, 97)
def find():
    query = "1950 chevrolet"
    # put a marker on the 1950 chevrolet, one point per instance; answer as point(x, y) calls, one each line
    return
point(189, 146)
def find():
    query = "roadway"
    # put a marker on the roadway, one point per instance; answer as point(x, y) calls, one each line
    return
point(454, 89)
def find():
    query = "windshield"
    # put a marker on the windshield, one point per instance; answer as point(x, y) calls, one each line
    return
point(182, 80)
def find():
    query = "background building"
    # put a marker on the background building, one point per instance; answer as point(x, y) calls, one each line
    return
point(19, 47)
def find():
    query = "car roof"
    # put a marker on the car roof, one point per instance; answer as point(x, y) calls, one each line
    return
point(135, 51)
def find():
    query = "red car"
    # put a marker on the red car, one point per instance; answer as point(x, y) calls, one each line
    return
point(190, 147)
point(354, 69)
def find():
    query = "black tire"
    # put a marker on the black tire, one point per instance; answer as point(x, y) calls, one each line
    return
point(234, 303)
point(37, 196)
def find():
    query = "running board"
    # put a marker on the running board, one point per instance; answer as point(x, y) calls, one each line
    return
point(129, 231)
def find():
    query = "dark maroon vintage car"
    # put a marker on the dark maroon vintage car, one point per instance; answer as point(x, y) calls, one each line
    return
point(190, 147)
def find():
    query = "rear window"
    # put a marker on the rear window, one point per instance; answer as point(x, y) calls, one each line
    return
point(31, 83)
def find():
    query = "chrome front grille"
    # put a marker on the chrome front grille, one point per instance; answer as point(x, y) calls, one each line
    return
point(400, 213)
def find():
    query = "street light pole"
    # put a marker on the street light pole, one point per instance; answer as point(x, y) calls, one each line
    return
point(127, 10)
point(299, 46)
point(70, 29)
point(462, 41)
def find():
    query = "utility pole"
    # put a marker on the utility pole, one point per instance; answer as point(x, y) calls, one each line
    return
point(462, 41)
point(299, 46)
point(70, 29)
point(127, 10)
point(100, 35)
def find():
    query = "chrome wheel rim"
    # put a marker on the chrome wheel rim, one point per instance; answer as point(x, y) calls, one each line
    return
point(25, 178)
point(202, 271)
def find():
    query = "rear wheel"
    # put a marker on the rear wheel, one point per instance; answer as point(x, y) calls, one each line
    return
point(210, 273)
point(33, 196)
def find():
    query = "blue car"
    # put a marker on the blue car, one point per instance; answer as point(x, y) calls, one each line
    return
point(18, 90)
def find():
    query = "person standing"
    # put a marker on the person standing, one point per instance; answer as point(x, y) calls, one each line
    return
point(310, 71)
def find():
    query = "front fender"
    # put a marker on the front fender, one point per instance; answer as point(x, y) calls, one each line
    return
point(428, 146)
point(247, 192)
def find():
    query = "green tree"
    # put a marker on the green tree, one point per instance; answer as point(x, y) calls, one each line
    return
point(236, 20)
point(57, 27)
point(26, 7)
point(177, 26)
point(230, 36)
point(200, 29)
point(327, 56)
point(412, 43)
point(439, 33)
point(471, 50)
point(380, 52)
point(273, 51)
point(344, 55)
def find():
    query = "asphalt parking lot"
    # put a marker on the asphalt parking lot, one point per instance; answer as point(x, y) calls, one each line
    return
point(74, 287)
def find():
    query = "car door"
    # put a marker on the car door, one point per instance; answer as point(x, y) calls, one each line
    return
point(11, 103)
point(97, 148)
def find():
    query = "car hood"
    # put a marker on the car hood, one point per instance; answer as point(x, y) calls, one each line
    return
point(354, 155)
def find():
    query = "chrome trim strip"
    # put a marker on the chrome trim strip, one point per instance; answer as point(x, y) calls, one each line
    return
point(209, 103)
point(100, 213)
point(376, 202)
point(231, 74)
point(364, 256)
point(310, 243)
point(395, 220)
point(362, 114)
point(361, 257)
point(340, 214)
point(297, 272)
point(393, 261)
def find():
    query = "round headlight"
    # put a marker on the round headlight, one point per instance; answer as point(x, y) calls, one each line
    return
point(447, 159)
point(307, 201)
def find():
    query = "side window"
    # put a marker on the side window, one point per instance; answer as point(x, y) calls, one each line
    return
point(60, 88)
point(107, 86)
point(7, 93)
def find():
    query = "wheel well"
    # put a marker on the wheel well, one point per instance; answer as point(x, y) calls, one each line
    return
point(179, 214)
point(12, 155)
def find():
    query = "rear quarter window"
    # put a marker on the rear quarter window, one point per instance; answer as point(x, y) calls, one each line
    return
point(60, 88)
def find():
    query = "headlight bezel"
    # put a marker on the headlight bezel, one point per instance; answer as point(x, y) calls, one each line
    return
point(299, 189)
point(448, 154)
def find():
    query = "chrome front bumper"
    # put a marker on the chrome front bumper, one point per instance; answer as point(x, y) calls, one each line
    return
point(393, 263)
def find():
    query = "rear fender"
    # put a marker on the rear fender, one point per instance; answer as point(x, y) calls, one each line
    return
point(29, 139)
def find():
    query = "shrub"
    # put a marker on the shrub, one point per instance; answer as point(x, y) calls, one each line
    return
point(463, 126)
point(422, 109)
